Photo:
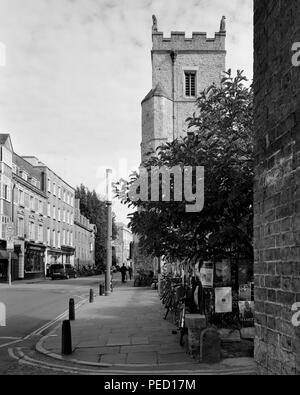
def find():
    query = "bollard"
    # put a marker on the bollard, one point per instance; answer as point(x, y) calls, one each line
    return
point(101, 290)
point(66, 339)
point(91, 295)
point(71, 310)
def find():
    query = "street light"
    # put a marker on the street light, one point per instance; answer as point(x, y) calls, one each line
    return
point(109, 230)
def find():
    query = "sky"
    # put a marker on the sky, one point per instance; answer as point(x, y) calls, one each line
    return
point(73, 74)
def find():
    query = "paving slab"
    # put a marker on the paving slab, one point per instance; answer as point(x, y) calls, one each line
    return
point(138, 340)
point(142, 358)
point(115, 359)
point(139, 348)
point(173, 358)
point(118, 341)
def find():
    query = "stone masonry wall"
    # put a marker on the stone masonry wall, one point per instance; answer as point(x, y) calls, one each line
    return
point(277, 185)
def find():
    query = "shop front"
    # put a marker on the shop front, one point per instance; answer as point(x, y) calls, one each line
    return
point(34, 262)
point(68, 254)
point(4, 257)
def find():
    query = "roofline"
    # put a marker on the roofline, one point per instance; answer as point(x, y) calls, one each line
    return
point(46, 167)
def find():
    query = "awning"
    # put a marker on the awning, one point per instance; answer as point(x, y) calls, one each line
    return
point(4, 255)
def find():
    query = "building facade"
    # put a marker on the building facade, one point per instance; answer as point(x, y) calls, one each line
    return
point(59, 223)
point(29, 203)
point(41, 207)
point(84, 239)
point(122, 244)
point(277, 186)
point(181, 69)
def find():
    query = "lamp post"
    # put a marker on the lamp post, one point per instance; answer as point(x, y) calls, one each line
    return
point(109, 230)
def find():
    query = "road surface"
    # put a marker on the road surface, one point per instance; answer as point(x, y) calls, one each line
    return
point(32, 308)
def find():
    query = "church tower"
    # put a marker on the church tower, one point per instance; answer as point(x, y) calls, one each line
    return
point(181, 68)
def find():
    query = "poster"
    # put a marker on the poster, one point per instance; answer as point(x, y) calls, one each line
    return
point(207, 275)
point(246, 309)
point(223, 271)
point(223, 300)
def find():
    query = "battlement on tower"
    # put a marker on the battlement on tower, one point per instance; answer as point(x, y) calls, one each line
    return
point(178, 42)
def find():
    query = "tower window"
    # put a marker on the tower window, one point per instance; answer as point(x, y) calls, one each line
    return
point(190, 83)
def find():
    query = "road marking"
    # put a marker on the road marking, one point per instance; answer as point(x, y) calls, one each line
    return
point(52, 322)
point(11, 343)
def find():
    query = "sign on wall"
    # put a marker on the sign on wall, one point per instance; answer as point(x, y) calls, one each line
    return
point(223, 300)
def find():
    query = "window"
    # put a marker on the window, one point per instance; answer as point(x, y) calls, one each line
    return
point(21, 197)
point(40, 234)
point(31, 231)
point(71, 239)
point(6, 194)
point(71, 219)
point(58, 215)
point(58, 240)
point(59, 192)
point(54, 212)
point(68, 238)
point(48, 236)
point(24, 175)
point(34, 182)
point(64, 237)
point(32, 203)
point(49, 210)
point(68, 217)
point(64, 215)
point(40, 207)
point(54, 189)
point(190, 83)
point(26, 200)
point(20, 226)
point(53, 238)
point(49, 185)
point(64, 196)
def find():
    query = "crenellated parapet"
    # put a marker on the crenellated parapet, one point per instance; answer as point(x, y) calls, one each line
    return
point(178, 42)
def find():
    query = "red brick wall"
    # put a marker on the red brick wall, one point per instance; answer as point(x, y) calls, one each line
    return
point(277, 185)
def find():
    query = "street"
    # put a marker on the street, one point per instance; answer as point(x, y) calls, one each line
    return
point(32, 308)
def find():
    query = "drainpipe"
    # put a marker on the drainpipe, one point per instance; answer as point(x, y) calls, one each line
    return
point(173, 57)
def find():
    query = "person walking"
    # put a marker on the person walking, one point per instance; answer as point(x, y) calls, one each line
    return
point(130, 272)
point(123, 271)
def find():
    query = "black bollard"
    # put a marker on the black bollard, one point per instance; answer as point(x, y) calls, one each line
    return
point(91, 295)
point(71, 310)
point(101, 290)
point(66, 339)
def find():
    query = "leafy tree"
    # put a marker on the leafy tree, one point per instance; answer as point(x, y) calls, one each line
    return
point(93, 208)
point(222, 142)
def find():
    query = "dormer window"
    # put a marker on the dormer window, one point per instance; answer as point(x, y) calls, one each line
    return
point(190, 83)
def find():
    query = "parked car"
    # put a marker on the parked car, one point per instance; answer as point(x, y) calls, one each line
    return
point(62, 271)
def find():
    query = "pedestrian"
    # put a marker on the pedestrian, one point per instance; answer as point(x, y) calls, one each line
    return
point(130, 272)
point(123, 271)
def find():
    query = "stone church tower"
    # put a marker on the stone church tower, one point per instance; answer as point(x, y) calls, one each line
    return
point(181, 68)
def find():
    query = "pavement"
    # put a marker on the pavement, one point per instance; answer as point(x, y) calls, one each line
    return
point(125, 332)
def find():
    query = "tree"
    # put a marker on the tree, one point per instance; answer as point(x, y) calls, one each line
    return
point(95, 210)
point(222, 142)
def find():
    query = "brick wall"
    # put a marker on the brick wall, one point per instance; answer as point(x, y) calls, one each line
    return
point(277, 185)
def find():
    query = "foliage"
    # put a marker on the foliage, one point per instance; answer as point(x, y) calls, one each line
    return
point(222, 142)
point(93, 208)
